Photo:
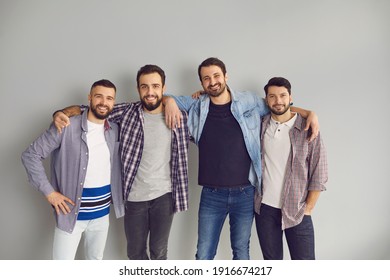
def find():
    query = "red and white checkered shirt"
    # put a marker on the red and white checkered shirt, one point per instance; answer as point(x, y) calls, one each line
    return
point(307, 170)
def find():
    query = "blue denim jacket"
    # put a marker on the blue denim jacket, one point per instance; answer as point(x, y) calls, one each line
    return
point(247, 108)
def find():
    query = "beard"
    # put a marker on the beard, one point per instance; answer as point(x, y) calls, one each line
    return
point(279, 113)
point(213, 93)
point(95, 112)
point(150, 106)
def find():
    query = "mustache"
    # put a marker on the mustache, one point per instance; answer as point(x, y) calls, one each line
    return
point(150, 95)
point(104, 106)
point(216, 84)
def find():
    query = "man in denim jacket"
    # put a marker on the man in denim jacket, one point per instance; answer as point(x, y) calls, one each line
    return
point(225, 124)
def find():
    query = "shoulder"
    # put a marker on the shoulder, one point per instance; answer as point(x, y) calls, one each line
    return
point(114, 126)
point(300, 123)
point(75, 123)
point(266, 118)
point(246, 99)
point(300, 132)
point(242, 96)
point(130, 108)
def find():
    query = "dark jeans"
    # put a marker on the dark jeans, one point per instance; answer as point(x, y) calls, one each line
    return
point(215, 205)
point(300, 238)
point(153, 218)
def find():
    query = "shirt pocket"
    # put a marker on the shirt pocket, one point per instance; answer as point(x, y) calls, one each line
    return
point(301, 160)
point(251, 118)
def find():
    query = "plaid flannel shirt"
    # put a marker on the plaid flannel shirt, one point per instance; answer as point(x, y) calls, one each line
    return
point(131, 119)
point(307, 170)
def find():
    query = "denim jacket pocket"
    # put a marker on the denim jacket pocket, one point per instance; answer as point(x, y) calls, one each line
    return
point(251, 118)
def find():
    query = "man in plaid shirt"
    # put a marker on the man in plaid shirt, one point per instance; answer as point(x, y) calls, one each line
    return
point(294, 174)
point(154, 165)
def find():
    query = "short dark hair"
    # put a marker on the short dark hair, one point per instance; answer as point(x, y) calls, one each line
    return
point(103, 83)
point(279, 82)
point(149, 69)
point(212, 61)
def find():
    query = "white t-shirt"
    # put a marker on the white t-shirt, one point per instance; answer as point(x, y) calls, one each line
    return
point(276, 149)
point(99, 165)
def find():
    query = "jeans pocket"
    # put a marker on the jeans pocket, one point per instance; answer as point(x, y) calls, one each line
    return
point(249, 192)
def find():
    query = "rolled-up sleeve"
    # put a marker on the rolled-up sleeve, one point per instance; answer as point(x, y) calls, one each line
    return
point(318, 166)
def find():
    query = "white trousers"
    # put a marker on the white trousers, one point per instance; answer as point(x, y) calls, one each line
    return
point(95, 236)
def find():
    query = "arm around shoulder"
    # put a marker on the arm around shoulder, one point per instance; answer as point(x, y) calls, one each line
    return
point(61, 117)
point(183, 102)
point(311, 121)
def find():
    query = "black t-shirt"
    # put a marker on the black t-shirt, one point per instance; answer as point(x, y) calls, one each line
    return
point(223, 158)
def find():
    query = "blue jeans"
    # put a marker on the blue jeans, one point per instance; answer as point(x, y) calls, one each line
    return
point(215, 205)
point(300, 238)
point(151, 218)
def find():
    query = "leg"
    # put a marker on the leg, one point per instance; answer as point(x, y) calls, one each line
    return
point(269, 231)
point(65, 244)
point(300, 240)
point(212, 215)
point(161, 217)
point(137, 229)
point(96, 237)
point(241, 211)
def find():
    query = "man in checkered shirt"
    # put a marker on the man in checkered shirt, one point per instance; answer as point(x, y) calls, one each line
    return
point(294, 174)
point(154, 165)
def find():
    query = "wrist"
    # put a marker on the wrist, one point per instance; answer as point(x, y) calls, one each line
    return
point(62, 111)
point(166, 100)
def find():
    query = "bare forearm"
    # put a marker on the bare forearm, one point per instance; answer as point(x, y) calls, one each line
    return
point(304, 113)
point(61, 117)
point(71, 111)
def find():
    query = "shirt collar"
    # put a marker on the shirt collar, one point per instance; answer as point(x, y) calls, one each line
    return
point(84, 124)
point(290, 123)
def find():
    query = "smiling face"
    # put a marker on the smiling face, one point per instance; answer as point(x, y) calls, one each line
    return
point(278, 100)
point(101, 102)
point(151, 91)
point(213, 80)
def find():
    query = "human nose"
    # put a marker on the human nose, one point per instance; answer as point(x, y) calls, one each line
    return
point(149, 90)
point(105, 101)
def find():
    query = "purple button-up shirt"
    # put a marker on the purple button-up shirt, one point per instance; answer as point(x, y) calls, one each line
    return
point(69, 165)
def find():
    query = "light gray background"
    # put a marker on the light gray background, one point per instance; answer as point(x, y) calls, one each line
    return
point(335, 53)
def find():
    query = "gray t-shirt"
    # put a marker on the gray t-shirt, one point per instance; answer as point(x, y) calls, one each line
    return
point(153, 178)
